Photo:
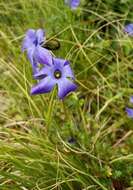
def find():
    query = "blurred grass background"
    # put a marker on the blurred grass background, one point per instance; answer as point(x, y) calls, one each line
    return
point(86, 141)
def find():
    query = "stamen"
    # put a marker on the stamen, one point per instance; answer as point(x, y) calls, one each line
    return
point(57, 74)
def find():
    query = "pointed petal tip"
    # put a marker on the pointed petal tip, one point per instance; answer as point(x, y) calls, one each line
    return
point(40, 35)
point(66, 62)
point(32, 92)
point(64, 91)
point(30, 32)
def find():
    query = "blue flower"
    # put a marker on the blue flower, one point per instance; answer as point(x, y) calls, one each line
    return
point(73, 3)
point(36, 54)
point(129, 29)
point(130, 110)
point(58, 73)
point(72, 140)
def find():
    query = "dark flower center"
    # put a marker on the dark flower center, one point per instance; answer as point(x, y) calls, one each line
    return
point(57, 74)
point(35, 42)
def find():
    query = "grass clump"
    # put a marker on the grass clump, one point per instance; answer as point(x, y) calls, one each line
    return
point(85, 141)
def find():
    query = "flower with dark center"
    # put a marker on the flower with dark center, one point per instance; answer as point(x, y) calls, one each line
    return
point(73, 3)
point(130, 110)
point(72, 140)
point(32, 43)
point(129, 29)
point(58, 73)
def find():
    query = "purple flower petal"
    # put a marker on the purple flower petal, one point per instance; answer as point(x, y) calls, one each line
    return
point(131, 99)
point(40, 35)
point(27, 43)
point(45, 71)
point(44, 86)
point(29, 39)
point(43, 56)
point(31, 33)
point(64, 87)
point(66, 63)
point(68, 72)
point(129, 112)
point(74, 4)
point(129, 29)
point(30, 55)
point(58, 63)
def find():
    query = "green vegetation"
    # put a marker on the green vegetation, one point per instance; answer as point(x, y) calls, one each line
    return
point(35, 152)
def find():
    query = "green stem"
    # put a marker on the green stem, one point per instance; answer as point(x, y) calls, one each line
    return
point(50, 108)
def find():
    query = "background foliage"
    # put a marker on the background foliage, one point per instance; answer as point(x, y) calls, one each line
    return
point(84, 142)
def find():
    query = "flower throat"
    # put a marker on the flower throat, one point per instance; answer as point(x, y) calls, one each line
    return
point(57, 74)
